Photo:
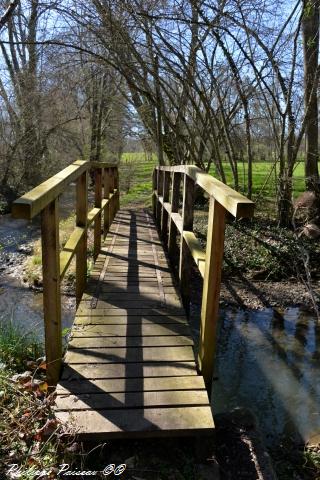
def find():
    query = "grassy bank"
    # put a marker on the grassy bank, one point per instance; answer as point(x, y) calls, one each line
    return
point(264, 177)
point(135, 173)
point(136, 184)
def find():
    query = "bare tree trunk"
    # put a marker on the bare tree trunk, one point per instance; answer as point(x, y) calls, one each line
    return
point(285, 180)
point(310, 34)
point(8, 13)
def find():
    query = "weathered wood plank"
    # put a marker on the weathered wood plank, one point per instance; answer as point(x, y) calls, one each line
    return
point(69, 249)
point(85, 371)
point(126, 319)
point(132, 296)
point(148, 288)
point(173, 307)
point(106, 195)
point(51, 290)
point(130, 348)
point(196, 251)
point(133, 330)
point(185, 262)
point(33, 202)
point(101, 401)
point(148, 384)
point(177, 219)
point(130, 355)
point(164, 218)
point(97, 220)
point(173, 230)
point(85, 310)
point(81, 221)
point(92, 342)
point(211, 290)
point(94, 212)
point(143, 423)
point(235, 203)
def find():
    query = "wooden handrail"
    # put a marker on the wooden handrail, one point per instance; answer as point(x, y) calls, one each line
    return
point(44, 200)
point(172, 224)
point(238, 205)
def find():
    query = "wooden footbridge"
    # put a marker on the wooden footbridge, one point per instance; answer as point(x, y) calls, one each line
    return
point(130, 367)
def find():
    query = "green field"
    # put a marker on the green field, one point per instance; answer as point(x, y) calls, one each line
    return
point(264, 178)
point(136, 184)
point(136, 178)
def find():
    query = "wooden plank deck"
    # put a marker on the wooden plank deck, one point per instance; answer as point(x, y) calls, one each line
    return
point(130, 370)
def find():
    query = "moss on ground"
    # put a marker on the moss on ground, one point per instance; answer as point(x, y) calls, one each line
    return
point(261, 248)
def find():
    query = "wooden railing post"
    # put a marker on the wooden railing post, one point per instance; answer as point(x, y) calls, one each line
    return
point(160, 193)
point(111, 189)
point(211, 290)
point(185, 263)
point(51, 290)
point(116, 186)
point(97, 204)
point(164, 219)
point(154, 192)
point(173, 231)
point(106, 196)
point(81, 221)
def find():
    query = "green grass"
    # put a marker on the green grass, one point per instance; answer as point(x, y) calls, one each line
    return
point(17, 346)
point(136, 178)
point(264, 178)
point(136, 182)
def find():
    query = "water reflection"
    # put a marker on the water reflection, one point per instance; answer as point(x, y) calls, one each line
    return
point(25, 307)
point(17, 302)
point(271, 364)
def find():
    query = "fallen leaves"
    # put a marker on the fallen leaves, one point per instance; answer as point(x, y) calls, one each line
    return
point(26, 418)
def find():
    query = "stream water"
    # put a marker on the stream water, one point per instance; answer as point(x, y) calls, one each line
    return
point(267, 362)
point(270, 363)
point(18, 303)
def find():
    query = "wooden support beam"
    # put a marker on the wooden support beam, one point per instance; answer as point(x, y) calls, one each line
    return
point(51, 290)
point(173, 231)
point(92, 214)
point(111, 190)
point(33, 202)
point(197, 252)
point(116, 186)
point(106, 195)
point(97, 204)
point(185, 263)
point(70, 249)
point(159, 205)
point(154, 192)
point(235, 203)
point(164, 218)
point(81, 221)
point(211, 291)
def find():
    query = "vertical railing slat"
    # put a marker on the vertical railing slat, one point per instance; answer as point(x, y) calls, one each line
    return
point(154, 192)
point(116, 186)
point(97, 204)
point(51, 290)
point(81, 221)
point(185, 264)
point(111, 187)
point(173, 231)
point(106, 195)
point(211, 290)
point(160, 192)
point(164, 219)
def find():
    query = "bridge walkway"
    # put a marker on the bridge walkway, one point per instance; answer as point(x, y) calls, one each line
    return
point(130, 368)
